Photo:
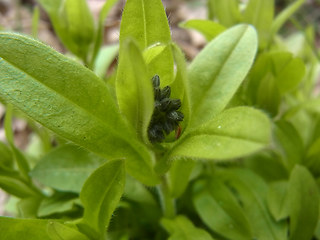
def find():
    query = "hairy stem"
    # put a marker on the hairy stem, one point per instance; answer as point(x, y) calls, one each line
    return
point(167, 202)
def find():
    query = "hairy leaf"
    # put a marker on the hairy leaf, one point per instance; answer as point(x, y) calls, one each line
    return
point(60, 94)
point(233, 133)
point(218, 70)
point(146, 22)
point(100, 196)
point(134, 89)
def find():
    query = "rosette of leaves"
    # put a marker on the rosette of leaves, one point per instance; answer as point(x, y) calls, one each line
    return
point(114, 119)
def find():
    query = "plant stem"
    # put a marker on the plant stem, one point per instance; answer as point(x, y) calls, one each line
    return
point(167, 202)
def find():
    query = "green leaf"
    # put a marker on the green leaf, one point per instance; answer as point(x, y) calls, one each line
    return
point(218, 70)
point(100, 196)
point(99, 34)
point(273, 75)
point(58, 231)
point(181, 228)
point(17, 187)
point(28, 207)
point(226, 11)
point(268, 95)
point(72, 22)
point(104, 59)
point(137, 192)
point(220, 211)
point(260, 14)
point(6, 160)
point(284, 16)
point(252, 191)
point(79, 23)
point(58, 203)
point(179, 176)
point(179, 88)
point(288, 70)
point(289, 143)
point(66, 168)
point(61, 99)
point(304, 199)
point(8, 124)
point(22, 163)
point(207, 28)
point(268, 165)
point(235, 132)
point(152, 52)
point(277, 200)
point(146, 22)
point(134, 89)
point(13, 229)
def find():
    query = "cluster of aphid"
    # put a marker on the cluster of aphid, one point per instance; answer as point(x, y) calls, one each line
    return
point(165, 116)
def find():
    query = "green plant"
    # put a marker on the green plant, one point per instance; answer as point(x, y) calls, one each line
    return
point(228, 172)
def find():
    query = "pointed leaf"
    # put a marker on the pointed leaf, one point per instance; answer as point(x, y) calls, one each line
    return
point(104, 59)
point(303, 195)
point(20, 159)
point(146, 22)
point(260, 13)
point(220, 211)
point(277, 200)
point(289, 143)
point(79, 23)
point(66, 168)
point(63, 22)
point(218, 70)
point(61, 99)
point(180, 86)
point(17, 187)
point(100, 196)
point(252, 191)
point(134, 89)
point(233, 133)
point(179, 176)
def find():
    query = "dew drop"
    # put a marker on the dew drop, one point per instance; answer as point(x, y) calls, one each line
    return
point(219, 126)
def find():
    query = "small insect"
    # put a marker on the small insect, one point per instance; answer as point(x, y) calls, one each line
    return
point(165, 117)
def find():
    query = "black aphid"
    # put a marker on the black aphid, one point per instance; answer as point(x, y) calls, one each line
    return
point(166, 116)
